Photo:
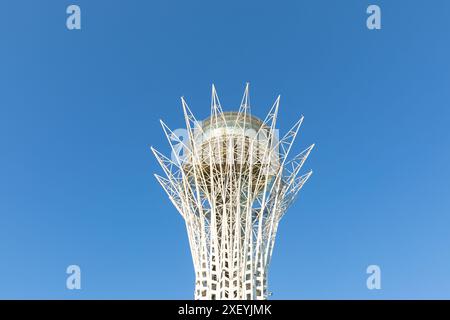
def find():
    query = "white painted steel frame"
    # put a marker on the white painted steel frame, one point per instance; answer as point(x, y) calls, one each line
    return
point(232, 208)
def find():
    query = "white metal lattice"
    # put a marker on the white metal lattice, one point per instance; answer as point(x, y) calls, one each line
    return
point(232, 185)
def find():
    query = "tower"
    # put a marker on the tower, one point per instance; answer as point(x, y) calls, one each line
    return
point(230, 178)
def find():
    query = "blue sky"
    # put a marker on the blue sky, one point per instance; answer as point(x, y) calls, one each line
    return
point(80, 109)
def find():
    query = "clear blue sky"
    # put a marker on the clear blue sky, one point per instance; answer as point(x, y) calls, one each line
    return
point(79, 110)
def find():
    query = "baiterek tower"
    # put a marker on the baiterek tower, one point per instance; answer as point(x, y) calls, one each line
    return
point(230, 178)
